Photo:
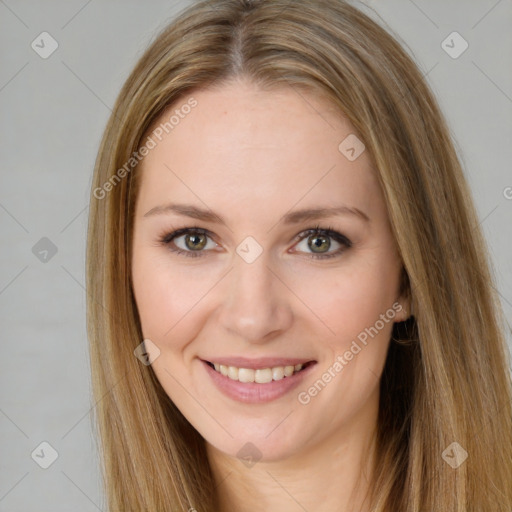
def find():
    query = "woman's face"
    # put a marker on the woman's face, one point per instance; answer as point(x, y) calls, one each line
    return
point(257, 288)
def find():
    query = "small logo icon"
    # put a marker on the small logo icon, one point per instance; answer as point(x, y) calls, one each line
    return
point(454, 455)
point(44, 45)
point(454, 45)
point(44, 455)
point(351, 147)
point(249, 249)
point(44, 250)
point(249, 454)
point(146, 352)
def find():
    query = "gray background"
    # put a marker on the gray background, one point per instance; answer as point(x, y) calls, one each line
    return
point(53, 113)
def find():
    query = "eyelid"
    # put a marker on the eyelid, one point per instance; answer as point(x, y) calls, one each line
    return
point(170, 235)
point(330, 232)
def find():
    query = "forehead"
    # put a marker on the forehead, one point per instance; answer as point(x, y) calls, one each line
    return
point(245, 145)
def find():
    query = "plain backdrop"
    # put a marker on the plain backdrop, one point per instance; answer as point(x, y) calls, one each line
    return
point(53, 112)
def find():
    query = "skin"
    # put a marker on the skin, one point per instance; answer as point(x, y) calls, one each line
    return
point(251, 156)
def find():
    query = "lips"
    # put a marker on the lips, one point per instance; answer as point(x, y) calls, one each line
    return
point(258, 381)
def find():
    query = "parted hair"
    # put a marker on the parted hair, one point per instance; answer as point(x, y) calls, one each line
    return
point(447, 374)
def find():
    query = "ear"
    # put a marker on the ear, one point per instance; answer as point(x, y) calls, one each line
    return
point(403, 303)
point(403, 308)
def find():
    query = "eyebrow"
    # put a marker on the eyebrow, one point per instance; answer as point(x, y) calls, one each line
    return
point(293, 217)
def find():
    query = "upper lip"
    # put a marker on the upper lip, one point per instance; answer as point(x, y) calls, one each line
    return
point(259, 362)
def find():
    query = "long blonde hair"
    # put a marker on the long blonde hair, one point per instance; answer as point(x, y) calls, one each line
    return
point(446, 378)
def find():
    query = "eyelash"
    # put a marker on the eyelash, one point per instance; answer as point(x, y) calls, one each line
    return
point(167, 238)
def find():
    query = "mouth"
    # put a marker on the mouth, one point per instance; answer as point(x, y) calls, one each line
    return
point(263, 375)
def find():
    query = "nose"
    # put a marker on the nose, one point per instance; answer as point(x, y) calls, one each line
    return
point(256, 304)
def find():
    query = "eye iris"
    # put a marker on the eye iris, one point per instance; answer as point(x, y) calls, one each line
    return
point(317, 241)
point(197, 238)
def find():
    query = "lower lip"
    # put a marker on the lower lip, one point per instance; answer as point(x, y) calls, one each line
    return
point(253, 392)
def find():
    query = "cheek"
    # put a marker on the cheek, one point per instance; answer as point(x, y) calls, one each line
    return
point(351, 298)
point(355, 305)
point(163, 296)
point(358, 309)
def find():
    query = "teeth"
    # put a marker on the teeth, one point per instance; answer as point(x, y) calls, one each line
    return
point(233, 372)
point(263, 376)
point(278, 373)
point(260, 376)
point(245, 374)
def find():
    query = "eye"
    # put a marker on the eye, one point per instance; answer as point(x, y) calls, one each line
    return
point(193, 241)
point(318, 240)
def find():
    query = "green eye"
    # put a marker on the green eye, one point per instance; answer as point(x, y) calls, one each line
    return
point(195, 241)
point(318, 241)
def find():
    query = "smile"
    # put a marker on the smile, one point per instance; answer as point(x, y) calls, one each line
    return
point(265, 380)
point(258, 375)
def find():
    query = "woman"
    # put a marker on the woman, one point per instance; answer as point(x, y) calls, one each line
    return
point(290, 300)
